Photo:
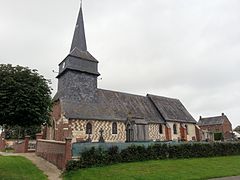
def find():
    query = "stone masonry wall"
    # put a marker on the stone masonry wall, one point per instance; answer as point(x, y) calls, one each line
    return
point(78, 128)
point(154, 132)
point(191, 131)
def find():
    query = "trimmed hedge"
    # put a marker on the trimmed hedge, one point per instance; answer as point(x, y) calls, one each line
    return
point(98, 157)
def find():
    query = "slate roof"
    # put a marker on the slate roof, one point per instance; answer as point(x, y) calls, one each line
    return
point(217, 120)
point(85, 55)
point(171, 109)
point(79, 39)
point(79, 59)
point(112, 105)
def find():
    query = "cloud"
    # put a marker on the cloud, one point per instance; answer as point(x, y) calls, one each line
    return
point(178, 48)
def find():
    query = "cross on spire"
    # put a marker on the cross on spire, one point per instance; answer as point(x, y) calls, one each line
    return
point(81, 3)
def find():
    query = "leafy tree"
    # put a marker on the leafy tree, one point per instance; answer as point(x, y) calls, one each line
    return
point(17, 132)
point(25, 97)
point(237, 129)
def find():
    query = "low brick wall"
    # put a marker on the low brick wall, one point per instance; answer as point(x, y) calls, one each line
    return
point(22, 145)
point(56, 152)
point(19, 147)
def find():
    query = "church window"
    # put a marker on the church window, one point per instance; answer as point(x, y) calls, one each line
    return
point(174, 129)
point(186, 127)
point(89, 128)
point(160, 129)
point(114, 128)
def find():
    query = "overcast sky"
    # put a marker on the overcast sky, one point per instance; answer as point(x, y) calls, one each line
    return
point(185, 49)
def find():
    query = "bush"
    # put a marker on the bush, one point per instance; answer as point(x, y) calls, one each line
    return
point(133, 153)
point(73, 165)
point(100, 157)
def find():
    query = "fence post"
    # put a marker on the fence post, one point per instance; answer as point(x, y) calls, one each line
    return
point(2, 143)
point(38, 136)
point(26, 142)
point(68, 150)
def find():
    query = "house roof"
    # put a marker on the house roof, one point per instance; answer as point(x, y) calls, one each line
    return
point(171, 109)
point(217, 120)
point(112, 105)
point(237, 129)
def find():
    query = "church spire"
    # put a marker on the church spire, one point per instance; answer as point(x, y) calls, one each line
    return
point(79, 39)
point(79, 60)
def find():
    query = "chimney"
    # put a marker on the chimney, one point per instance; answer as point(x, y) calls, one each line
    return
point(200, 117)
point(223, 114)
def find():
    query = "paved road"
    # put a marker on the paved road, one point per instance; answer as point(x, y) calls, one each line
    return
point(228, 178)
point(49, 169)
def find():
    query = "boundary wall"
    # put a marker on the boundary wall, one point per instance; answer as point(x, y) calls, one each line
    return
point(56, 152)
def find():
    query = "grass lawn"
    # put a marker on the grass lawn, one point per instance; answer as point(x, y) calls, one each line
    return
point(202, 168)
point(14, 167)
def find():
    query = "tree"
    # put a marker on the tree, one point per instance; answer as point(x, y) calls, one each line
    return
point(237, 129)
point(25, 97)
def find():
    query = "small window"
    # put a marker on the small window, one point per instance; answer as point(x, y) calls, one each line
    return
point(174, 129)
point(89, 128)
point(114, 128)
point(160, 129)
point(186, 127)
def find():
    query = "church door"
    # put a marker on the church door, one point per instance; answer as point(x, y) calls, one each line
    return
point(141, 132)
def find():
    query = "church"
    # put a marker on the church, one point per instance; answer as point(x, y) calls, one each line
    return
point(87, 114)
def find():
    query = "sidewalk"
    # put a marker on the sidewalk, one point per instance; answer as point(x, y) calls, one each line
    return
point(49, 169)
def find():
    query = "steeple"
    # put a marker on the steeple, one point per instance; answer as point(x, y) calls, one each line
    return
point(79, 59)
point(78, 72)
point(79, 39)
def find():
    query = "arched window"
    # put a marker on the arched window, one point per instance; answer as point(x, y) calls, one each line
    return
point(89, 128)
point(160, 129)
point(186, 127)
point(174, 129)
point(114, 128)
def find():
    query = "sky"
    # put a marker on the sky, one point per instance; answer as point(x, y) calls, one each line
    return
point(184, 49)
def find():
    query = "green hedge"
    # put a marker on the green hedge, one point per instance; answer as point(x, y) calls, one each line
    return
point(98, 157)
